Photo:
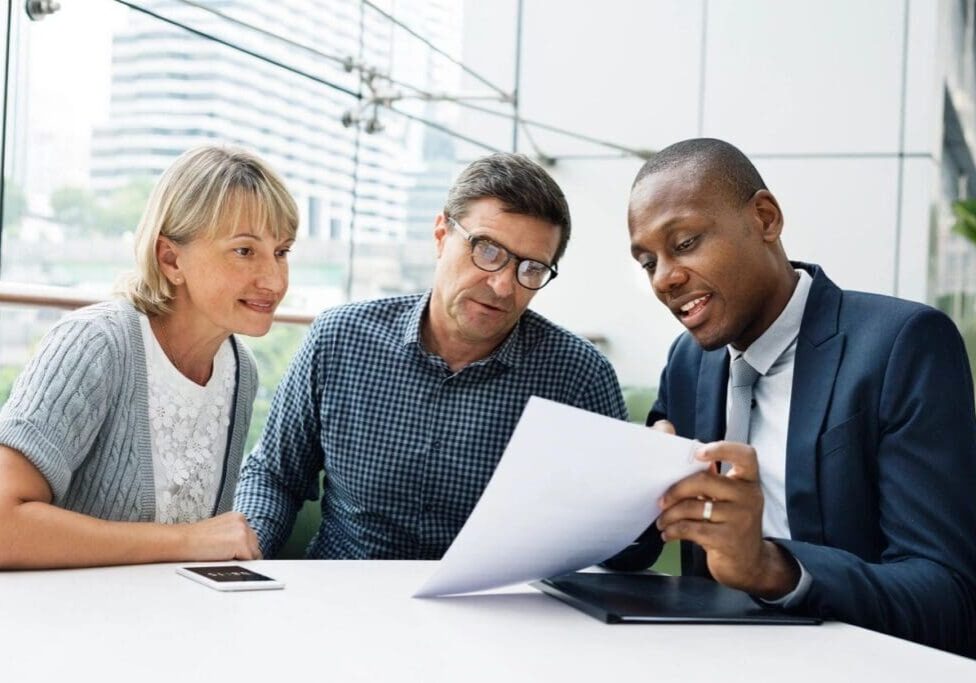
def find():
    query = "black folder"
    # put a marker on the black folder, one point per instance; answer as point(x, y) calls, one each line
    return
point(657, 599)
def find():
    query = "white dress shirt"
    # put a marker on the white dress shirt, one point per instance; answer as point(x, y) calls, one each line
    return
point(773, 355)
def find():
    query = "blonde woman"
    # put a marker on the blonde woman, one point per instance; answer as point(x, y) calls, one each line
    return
point(122, 439)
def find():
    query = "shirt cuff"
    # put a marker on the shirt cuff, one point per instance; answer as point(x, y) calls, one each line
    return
point(794, 597)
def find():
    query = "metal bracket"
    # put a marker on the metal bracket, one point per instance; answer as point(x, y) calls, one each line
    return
point(38, 9)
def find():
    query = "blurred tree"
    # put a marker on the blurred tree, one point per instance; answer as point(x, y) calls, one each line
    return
point(116, 214)
point(124, 207)
point(965, 210)
point(965, 225)
point(8, 374)
point(273, 353)
point(14, 204)
point(74, 207)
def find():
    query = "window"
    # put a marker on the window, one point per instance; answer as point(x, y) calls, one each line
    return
point(146, 84)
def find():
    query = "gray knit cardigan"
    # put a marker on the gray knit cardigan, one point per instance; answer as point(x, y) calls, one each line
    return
point(79, 413)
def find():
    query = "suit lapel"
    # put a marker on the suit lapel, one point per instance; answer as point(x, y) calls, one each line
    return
point(818, 354)
point(713, 380)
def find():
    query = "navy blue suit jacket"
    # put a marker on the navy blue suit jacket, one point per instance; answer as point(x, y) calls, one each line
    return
point(880, 462)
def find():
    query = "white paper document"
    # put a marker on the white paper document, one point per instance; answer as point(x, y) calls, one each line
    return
point(572, 489)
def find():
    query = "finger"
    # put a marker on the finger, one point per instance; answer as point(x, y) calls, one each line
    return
point(695, 511)
point(742, 458)
point(664, 426)
point(704, 534)
point(706, 484)
point(248, 552)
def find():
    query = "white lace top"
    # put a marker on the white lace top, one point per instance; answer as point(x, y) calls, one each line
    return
point(188, 431)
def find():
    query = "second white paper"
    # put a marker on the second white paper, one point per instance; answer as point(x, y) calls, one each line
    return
point(572, 489)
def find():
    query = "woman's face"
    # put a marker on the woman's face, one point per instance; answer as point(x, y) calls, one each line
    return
point(235, 281)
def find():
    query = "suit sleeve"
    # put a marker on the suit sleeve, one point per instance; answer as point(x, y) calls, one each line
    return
point(282, 470)
point(924, 586)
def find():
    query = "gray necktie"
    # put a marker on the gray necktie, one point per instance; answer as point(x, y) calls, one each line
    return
point(744, 378)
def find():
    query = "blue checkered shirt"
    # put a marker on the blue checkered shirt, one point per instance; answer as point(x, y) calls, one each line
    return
point(407, 446)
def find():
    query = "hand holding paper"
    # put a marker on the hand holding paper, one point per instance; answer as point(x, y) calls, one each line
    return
point(572, 489)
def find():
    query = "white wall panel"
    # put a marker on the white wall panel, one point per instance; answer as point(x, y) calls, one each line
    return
point(923, 87)
point(840, 214)
point(918, 205)
point(812, 90)
point(601, 289)
point(618, 70)
point(813, 77)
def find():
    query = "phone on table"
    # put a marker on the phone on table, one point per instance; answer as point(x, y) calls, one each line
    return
point(229, 577)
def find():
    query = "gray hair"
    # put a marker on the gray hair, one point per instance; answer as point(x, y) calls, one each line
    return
point(204, 189)
point(519, 183)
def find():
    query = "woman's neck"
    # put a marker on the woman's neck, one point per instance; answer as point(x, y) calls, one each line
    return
point(190, 345)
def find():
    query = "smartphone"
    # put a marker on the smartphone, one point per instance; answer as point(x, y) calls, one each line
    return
point(229, 577)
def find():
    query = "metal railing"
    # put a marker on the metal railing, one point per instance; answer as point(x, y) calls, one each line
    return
point(49, 296)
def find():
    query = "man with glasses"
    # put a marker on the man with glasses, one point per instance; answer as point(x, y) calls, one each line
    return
point(407, 403)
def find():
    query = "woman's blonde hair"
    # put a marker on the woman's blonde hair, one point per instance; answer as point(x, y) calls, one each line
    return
point(205, 188)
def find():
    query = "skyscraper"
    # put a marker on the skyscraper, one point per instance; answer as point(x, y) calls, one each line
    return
point(172, 89)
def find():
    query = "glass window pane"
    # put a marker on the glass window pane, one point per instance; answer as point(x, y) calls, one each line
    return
point(145, 86)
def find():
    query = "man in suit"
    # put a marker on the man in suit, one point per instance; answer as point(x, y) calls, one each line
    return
point(839, 429)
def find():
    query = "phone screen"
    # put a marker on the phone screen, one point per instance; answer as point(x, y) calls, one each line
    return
point(228, 573)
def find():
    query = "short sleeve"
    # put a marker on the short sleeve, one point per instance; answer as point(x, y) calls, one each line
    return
point(59, 402)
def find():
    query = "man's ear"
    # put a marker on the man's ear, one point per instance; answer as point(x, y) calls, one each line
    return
point(441, 227)
point(168, 258)
point(769, 215)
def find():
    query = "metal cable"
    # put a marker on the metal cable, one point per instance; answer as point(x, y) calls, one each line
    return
point(468, 70)
point(251, 53)
point(257, 29)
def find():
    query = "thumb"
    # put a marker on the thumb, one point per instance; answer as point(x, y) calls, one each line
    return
point(664, 426)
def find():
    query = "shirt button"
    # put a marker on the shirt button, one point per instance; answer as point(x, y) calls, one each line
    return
point(436, 445)
point(428, 507)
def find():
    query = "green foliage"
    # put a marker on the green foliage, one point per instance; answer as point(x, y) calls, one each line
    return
point(14, 204)
point(119, 212)
point(8, 374)
point(74, 206)
point(965, 211)
point(124, 207)
point(669, 561)
point(639, 401)
point(961, 307)
point(273, 353)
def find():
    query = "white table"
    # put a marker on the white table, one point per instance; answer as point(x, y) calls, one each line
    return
point(356, 621)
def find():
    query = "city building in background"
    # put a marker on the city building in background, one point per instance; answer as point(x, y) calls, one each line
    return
point(276, 78)
point(861, 116)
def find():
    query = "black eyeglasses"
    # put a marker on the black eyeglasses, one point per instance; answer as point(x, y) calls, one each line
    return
point(491, 257)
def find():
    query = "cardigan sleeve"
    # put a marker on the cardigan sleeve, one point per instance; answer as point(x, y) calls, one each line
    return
point(60, 401)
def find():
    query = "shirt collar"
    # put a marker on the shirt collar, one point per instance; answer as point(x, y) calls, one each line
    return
point(509, 352)
point(778, 337)
point(411, 330)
